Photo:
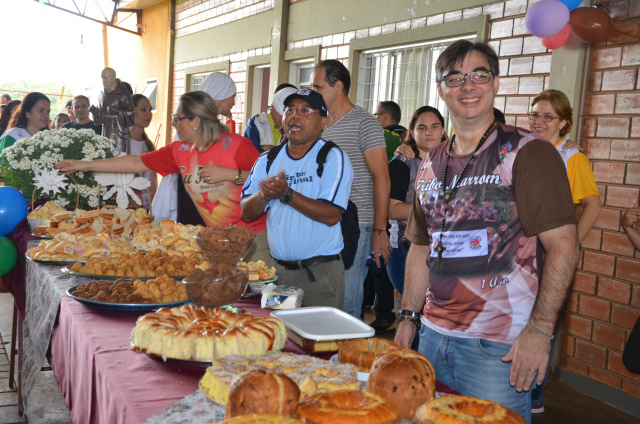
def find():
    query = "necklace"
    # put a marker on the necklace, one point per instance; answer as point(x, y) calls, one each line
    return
point(450, 193)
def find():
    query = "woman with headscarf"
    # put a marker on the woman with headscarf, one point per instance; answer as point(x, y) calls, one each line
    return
point(30, 117)
point(203, 140)
point(222, 90)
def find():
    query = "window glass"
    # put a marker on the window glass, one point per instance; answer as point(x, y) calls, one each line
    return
point(404, 74)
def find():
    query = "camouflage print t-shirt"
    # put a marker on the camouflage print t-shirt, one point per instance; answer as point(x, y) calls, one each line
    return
point(485, 287)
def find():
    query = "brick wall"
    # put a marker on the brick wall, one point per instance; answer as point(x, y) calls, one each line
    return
point(198, 15)
point(605, 300)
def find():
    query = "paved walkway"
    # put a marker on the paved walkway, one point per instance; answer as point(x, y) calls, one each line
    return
point(47, 405)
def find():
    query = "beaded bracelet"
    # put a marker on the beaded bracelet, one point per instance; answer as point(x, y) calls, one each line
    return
point(378, 230)
point(412, 314)
point(414, 320)
point(540, 332)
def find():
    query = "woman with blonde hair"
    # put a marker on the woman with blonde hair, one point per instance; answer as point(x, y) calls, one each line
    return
point(551, 118)
point(213, 164)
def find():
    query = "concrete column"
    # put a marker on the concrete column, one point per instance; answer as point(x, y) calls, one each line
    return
point(568, 75)
point(279, 67)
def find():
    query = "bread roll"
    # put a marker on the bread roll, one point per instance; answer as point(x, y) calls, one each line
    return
point(404, 377)
point(263, 392)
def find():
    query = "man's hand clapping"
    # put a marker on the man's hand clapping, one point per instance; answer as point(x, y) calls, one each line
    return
point(274, 187)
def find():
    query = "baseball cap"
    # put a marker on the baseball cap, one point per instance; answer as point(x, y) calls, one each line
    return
point(312, 97)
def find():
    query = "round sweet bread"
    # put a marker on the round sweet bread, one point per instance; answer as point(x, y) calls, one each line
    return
point(347, 407)
point(263, 392)
point(261, 419)
point(465, 410)
point(404, 377)
point(362, 352)
point(194, 333)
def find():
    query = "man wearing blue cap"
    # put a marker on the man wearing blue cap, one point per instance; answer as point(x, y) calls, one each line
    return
point(304, 200)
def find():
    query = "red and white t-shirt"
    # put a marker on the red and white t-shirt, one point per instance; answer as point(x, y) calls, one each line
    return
point(218, 204)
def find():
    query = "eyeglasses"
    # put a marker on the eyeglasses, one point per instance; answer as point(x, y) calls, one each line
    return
point(456, 79)
point(304, 111)
point(546, 117)
point(175, 119)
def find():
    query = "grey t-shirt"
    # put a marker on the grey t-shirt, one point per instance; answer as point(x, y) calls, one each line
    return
point(355, 133)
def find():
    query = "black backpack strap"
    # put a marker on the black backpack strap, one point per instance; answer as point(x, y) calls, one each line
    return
point(322, 155)
point(271, 156)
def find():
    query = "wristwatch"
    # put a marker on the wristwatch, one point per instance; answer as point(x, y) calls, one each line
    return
point(239, 179)
point(286, 198)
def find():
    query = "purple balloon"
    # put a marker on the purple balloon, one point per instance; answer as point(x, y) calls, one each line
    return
point(571, 4)
point(546, 18)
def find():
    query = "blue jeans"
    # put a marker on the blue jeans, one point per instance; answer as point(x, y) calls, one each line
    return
point(395, 268)
point(473, 367)
point(354, 276)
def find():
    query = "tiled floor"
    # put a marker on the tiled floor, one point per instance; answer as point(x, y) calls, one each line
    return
point(46, 406)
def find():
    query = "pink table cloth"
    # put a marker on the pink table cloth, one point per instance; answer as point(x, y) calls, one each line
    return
point(103, 381)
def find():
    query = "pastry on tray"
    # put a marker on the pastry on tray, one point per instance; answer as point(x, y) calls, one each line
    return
point(193, 333)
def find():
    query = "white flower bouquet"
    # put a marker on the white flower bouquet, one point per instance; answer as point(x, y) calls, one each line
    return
point(29, 165)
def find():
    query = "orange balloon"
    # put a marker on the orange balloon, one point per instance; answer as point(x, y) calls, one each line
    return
point(590, 24)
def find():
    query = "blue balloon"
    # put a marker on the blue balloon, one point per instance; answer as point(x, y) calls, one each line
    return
point(572, 4)
point(13, 209)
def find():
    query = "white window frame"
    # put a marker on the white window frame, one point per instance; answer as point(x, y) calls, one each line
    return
point(295, 67)
point(256, 95)
point(385, 73)
point(151, 92)
point(196, 80)
point(476, 28)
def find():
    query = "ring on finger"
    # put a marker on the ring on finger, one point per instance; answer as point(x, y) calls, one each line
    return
point(532, 370)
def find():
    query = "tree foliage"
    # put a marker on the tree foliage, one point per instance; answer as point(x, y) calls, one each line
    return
point(18, 89)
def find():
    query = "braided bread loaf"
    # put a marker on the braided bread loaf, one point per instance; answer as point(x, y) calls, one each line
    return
point(362, 352)
point(261, 419)
point(194, 333)
point(347, 407)
point(467, 410)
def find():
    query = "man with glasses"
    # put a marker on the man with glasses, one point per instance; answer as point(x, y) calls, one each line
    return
point(304, 201)
point(80, 106)
point(487, 331)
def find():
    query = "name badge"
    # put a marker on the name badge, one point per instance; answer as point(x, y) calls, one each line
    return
point(461, 244)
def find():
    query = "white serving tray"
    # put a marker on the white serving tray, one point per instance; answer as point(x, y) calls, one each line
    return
point(323, 323)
